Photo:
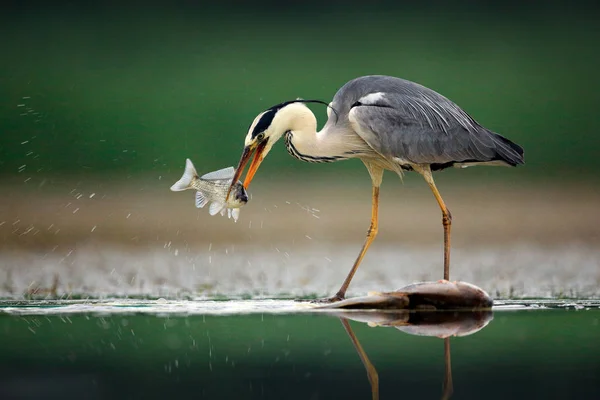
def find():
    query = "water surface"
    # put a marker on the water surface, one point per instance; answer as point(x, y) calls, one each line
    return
point(270, 349)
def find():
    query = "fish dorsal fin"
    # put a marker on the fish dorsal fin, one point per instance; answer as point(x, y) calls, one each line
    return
point(225, 173)
point(186, 179)
point(200, 200)
point(215, 208)
point(235, 213)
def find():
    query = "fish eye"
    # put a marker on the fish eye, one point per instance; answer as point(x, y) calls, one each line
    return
point(260, 137)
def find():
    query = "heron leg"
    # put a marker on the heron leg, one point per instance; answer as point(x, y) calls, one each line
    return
point(376, 173)
point(446, 219)
point(371, 233)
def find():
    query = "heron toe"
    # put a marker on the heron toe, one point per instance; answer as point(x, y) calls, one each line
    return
point(328, 300)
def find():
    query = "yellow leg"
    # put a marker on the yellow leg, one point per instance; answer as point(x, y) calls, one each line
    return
point(446, 220)
point(448, 387)
point(372, 374)
point(371, 233)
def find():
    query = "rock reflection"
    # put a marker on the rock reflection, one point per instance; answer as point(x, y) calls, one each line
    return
point(439, 324)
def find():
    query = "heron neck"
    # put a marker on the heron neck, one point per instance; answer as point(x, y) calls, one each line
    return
point(302, 139)
point(312, 146)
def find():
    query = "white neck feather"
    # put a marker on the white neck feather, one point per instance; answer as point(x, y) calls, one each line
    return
point(302, 123)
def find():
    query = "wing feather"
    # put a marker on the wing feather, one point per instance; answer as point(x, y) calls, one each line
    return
point(425, 129)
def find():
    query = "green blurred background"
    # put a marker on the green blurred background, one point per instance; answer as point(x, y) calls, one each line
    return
point(135, 89)
point(101, 102)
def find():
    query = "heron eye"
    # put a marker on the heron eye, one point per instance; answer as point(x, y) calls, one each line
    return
point(260, 137)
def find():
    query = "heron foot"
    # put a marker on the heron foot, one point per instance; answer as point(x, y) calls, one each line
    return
point(328, 300)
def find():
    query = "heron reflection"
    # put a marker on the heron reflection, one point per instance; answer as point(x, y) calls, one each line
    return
point(443, 325)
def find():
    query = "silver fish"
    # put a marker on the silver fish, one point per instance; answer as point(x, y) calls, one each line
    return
point(212, 188)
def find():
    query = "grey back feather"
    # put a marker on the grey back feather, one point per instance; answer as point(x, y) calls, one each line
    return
point(414, 123)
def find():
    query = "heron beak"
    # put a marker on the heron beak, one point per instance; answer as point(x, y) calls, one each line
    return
point(258, 150)
point(258, 158)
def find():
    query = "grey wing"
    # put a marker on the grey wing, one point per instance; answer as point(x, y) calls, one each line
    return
point(422, 129)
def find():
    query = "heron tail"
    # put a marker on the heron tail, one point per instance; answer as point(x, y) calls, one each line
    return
point(508, 151)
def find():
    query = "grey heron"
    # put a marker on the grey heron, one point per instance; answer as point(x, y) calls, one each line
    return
point(388, 123)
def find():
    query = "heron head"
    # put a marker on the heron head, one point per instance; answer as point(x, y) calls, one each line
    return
point(266, 129)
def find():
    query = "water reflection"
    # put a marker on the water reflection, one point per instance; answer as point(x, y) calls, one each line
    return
point(443, 325)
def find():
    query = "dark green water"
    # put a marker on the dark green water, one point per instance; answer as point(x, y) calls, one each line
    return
point(545, 353)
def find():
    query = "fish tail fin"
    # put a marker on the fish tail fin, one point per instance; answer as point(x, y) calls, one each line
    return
point(189, 174)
